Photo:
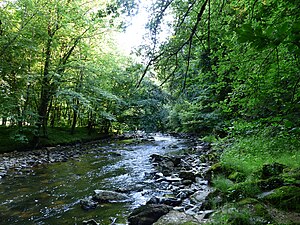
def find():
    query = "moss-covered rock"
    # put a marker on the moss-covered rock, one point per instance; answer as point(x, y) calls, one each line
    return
point(218, 169)
point(271, 183)
point(237, 176)
point(270, 170)
point(285, 198)
point(291, 176)
point(246, 212)
point(247, 201)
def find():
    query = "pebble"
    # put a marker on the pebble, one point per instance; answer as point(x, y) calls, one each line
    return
point(18, 164)
point(185, 181)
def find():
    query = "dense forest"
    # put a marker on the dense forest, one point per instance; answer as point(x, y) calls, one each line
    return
point(60, 67)
point(224, 65)
point(227, 71)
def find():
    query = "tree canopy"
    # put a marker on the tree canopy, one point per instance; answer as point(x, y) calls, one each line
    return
point(228, 60)
point(222, 61)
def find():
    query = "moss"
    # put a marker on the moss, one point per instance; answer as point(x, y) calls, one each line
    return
point(285, 198)
point(242, 214)
point(270, 170)
point(291, 176)
point(221, 168)
point(244, 190)
point(237, 176)
point(246, 201)
point(261, 210)
point(216, 168)
point(271, 183)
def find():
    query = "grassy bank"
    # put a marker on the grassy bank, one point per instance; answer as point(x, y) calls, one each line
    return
point(11, 139)
point(257, 180)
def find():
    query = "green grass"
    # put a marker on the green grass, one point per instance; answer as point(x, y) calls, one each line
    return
point(222, 183)
point(249, 154)
point(239, 176)
point(10, 139)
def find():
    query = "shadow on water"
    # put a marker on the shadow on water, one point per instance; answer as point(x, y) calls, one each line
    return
point(51, 195)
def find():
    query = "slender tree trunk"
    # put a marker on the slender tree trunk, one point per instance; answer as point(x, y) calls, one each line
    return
point(45, 93)
point(74, 121)
point(4, 121)
point(90, 122)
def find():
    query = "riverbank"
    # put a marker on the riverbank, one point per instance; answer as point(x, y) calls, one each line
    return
point(257, 180)
point(12, 140)
point(20, 163)
point(251, 179)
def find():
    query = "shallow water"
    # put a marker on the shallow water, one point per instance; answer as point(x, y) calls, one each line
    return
point(51, 194)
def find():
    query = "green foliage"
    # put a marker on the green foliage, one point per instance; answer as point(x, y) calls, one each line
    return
point(286, 198)
point(222, 183)
point(229, 61)
point(248, 154)
point(248, 213)
point(59, 64)
point(12, 139)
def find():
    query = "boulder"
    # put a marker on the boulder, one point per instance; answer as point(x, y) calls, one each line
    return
point(165, 200)
point(157, 158)
point(148, 214)
point(271, 183)
point(187, 175)
point(108, 196)
point(286, 198)
point(200, 196)
point(176, 218)
point(166, 162)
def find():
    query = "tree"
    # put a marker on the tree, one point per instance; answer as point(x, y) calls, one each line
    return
point(202, 60)
point(50, 50)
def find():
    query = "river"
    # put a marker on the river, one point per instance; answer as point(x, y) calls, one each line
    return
point(51, 193)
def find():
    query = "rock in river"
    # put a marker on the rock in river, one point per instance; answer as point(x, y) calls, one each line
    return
point(88, 203)
point(108, 196)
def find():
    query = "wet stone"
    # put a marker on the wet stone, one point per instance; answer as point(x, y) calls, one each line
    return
point(88, 203)
point(3, 173)
point(108, 196)
point(176, 218)
point(148, 214)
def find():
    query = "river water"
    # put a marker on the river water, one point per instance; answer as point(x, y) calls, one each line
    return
point(52, 192)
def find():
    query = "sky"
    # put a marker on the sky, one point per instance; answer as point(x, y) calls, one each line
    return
point(133, 36)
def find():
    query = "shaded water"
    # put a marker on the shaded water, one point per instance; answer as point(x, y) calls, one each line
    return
point(51, 195)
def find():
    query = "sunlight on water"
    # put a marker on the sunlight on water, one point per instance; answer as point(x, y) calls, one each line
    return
point(52, 195)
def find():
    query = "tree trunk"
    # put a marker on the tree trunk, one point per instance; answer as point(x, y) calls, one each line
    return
point(4, 120)
point(74, 121)
point(90, 122)
point(45, 93)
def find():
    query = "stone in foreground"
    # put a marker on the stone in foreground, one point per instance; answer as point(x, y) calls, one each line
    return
point(176, 218)
point(148, 214)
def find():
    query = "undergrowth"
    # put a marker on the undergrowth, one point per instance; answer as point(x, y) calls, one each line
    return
point(249, 153)
point(56, 136)
point(251, 167)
